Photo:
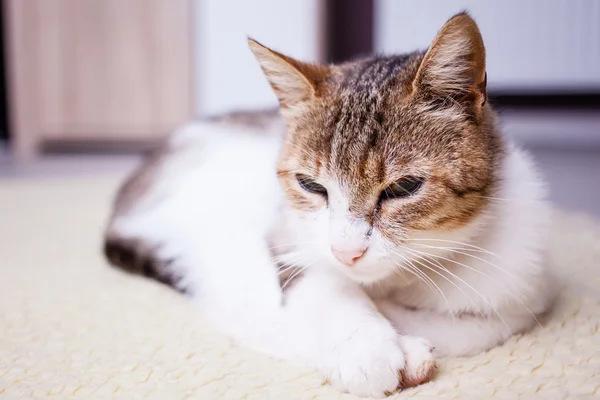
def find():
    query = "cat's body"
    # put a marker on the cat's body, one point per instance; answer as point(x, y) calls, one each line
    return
point(369, 198)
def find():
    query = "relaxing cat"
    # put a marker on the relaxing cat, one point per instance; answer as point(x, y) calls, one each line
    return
point(381, 215)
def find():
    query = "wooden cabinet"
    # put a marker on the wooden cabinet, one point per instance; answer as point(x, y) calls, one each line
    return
point(97, 72)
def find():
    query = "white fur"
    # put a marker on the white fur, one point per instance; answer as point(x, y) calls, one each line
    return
point(217, 202)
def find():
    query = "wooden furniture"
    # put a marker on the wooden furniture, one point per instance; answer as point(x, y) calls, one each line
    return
point(96, 72)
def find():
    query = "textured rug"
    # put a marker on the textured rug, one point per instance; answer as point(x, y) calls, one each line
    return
point(71, 327)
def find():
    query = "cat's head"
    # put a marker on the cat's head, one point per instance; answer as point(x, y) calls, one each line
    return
point(385, 153)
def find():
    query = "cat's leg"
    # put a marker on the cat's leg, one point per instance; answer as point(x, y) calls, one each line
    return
point(341, 332)
point(325, 321)
point(455, 336)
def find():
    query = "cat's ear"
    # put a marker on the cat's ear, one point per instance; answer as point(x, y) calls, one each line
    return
point(293, 81)
point(454, 66)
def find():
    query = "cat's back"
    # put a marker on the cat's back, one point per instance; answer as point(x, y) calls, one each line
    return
point(207, 177)
point(239, 131)
point(240, 143)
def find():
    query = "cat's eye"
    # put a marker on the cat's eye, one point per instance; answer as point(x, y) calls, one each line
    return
point(403, 188)
point(310, 185)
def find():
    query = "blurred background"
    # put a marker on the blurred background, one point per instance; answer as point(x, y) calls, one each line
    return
point(87, 85)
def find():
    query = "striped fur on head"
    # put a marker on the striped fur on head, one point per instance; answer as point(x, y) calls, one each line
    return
point(366, 124)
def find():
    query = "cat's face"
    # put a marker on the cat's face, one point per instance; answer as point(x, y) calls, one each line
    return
point(385, 154)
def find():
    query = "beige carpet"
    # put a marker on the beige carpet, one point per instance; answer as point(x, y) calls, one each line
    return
point(70, 327)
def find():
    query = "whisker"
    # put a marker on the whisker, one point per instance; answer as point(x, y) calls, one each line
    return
point(455, 242)
point(294, 253)
point(450, 248)
point(466, 284)
point(506, 199)
point(401, 273)
point(412, 269)
point(291, 259)
point(419, 274)
point(291, 244)
point(295, 274)
point(287, 268)
point(517, 298)
point(504, 271)
point(433, 282)
point(446, 278)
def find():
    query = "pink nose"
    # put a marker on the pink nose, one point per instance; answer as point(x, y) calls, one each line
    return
point(348, 257)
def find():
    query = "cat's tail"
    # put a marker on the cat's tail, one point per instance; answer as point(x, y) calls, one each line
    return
point(139, 257)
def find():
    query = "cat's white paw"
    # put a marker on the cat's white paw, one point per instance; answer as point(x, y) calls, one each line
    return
point(420, 363)
point(369, 363)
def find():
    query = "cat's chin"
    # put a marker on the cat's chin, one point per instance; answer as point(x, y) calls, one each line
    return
point(366, 276)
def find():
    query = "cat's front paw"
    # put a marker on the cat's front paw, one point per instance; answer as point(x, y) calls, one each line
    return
point(420, 363)
point(371, 362)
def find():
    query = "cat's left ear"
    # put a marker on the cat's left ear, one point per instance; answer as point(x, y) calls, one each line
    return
point(293, 81)
point(454, 66)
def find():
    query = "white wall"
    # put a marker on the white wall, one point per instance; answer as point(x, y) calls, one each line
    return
point(226, 73)
point(534, 45)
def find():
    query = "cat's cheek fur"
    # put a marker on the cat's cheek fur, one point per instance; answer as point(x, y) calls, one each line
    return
point(492, 297)
point(310, 229)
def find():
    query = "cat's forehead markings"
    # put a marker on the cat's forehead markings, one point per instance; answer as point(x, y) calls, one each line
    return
point(357, 126)
point(372, 75)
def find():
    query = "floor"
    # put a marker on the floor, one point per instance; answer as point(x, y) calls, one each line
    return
point(67, 165)
point(573, 175)
point(71, 327)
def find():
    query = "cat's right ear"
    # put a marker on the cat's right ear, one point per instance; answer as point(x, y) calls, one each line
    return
point(293, 81)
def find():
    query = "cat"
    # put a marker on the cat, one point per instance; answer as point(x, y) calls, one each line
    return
point(378, 221)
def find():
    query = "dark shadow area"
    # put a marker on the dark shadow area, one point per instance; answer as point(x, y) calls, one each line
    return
point(349, 25)
point(4, 133)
